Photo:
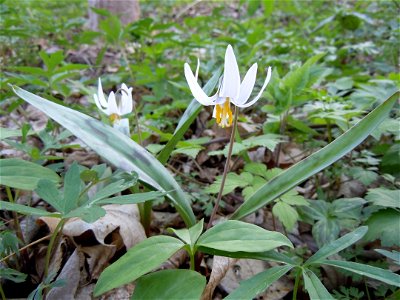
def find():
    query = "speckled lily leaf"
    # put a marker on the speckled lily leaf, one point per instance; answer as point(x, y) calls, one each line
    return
point(115, 147)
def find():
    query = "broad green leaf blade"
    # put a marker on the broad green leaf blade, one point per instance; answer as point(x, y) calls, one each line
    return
point(338, 245)
point(88, 214)
point(267, 256)
point(234, 236)
point(170, 284)
point(366, 270)
point(314, 286)
point(47, 190)
point(25, 210)
point(317, 161)
point(187, 119)
point(250, 288)
point(72, 188)
point(117, 148)
point(131, 199)
point(24, 175)
point(138, 261)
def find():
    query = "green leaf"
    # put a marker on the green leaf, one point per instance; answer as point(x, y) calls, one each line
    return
point(25, 210)
point(11, 274)
point(170, 284)
point(314, 286)
point(117, 148)
point(325, 231)
point(131, 199)
point(250, 288)
point(348, 208)
point(232, 182)
point(384, 225)
point(384, 197)
point(72, 188)
point(293, 198)
point(139, 260)
point(317, 161)
point(190, 151)
point(337, 245)
point(6, 133)
point(47, 190)
point(191, 235)
point(88, 214)
point(234, 236)
point(268, 7)
point(187, 119)
point(256, 168)
point(366, 270)
point(24, 175)
point(395, 255)
point(286, 214)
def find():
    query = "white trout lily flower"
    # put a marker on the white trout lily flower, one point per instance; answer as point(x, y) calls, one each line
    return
point(230, 89)
point(112, 108)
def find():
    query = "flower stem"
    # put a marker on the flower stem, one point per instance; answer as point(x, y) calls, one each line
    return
point(226, 169)
point(192, 260)
point(3, 296)
point(296, 284)
point(50, 246)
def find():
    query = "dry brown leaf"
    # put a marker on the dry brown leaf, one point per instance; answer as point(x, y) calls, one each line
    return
point(71, 274)
point(97, 258)
point(242, 269)
point(123, 220)
point(220, 266)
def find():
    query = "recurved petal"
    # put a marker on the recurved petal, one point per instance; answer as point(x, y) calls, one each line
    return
point(195, 88)
point(96, 100)
point(112, 105)
point(100, 94)
point(247, 85)
point(126, 100)
point(261, 91)
point(231, 81)
point(197, 69)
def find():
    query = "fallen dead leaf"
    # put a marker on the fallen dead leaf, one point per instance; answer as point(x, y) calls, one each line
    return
point(220, 265)
point(124, 219)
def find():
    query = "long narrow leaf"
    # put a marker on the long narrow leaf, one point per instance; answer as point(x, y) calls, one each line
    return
point(188, 117)
point(338, 245)
point(117, 148)
point(366, 270)
point(317, 161)
point(253, 286)
point(314, 286)
point(25, 210)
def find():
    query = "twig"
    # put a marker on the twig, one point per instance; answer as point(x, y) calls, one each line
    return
point(26, 247)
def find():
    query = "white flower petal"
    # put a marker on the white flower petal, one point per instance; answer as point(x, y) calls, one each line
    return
point(247, 85)
point(214, 115)
point(197, 69)
point(126, 100)
point(231, 81)
point(100, 94)
point(96, 100)
point(260, 93)
point(195, 88)
point(112, 105)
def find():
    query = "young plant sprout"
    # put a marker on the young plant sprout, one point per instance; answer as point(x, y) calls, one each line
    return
point(230, 89)
point(116, 107)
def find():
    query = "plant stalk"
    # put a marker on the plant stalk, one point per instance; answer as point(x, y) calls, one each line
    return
point(296, 284)
point(3, 296)
point(192, 260)
point(51, 244)
point(226, 169)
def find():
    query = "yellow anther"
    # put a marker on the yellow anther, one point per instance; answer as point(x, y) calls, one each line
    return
point(223, 114)
point(114, 117)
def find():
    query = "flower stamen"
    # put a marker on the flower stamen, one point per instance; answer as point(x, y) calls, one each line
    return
point(223, 114)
